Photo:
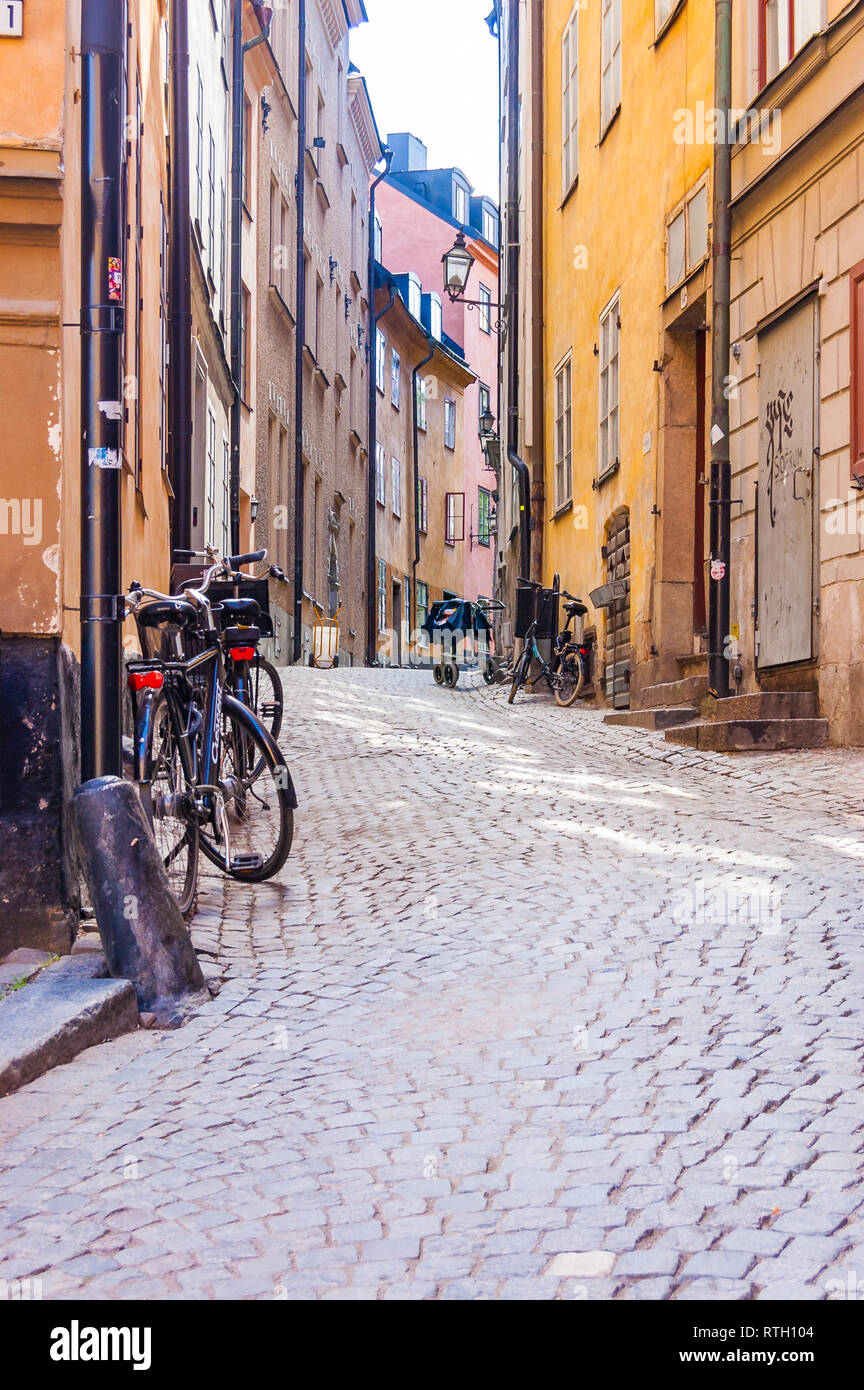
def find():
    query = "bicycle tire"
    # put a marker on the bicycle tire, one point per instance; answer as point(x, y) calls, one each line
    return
point(251, 754)
point(566, 696)
point(520, 675)
point(162, 756)
point(265, 686)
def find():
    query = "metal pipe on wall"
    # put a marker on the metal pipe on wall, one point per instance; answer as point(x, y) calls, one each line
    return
point(237, 122)
point(371, 655)
point(415, 446)
point(299, 337)
point(180, 288)
point(512, 223)
point(721, 468)
point(103, 111)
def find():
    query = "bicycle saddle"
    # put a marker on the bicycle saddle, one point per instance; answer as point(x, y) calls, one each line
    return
point(174, 612)
point(575, 610)
point(240, 609)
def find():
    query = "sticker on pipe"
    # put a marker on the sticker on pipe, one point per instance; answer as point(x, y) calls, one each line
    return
point(115, 278)
point(103, 458)
point(718, 569)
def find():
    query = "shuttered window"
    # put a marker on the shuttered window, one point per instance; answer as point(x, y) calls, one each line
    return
point(569, 104)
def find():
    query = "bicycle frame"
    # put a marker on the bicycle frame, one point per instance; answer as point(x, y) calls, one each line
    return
point(178, 708)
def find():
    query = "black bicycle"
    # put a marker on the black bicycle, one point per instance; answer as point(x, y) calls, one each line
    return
point(567, 672)
point(210, 775)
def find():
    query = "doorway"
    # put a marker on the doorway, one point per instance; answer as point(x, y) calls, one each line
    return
point(397, 623)
point(618, 613)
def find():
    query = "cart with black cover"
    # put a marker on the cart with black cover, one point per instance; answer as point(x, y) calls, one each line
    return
point(461, 638)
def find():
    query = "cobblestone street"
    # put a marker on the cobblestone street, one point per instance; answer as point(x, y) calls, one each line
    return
point(537, 1009)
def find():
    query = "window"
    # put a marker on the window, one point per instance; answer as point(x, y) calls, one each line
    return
point(449, 423)
point(380, 480)
point(199, 152)
point(563, 434)
point(490, 227)
point(223, 214)
point(610, 333)
point(610, 63)
point(569, 103)
point(784, 27)
point(423, 505)
point(485, 310)
point(226, 496)
point(460, 203)
point(415, 295)
point(485, 404)
point(435, 323)
point(379, 239)
point(422, 603)
point(454, 517)
point(421, 402)
point(245, 366)
point(484, 513)
point(211, 477)
point(856, 379)
point(663, 11)
point(395, 377)
point(396, 477)
point(687, 238)
point(211, 209)
point(382, 596)
point(380, 359)
point(245, 153)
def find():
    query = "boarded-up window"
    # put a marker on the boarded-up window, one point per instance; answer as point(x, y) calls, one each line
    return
point(856, 381)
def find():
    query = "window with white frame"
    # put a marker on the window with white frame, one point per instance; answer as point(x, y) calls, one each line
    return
point(564, 433)
point(449, 423)
point(570, 103)
point(380, 359)
point(421, 402)
point(211, 477)
point(396, 477)
point(610, 62)
point(435, 320)
point(395, 377)
point(784, 28)
point(687, 237)
point(422, 604)
point(484, 515)
point(211, 210)
point(199, 152)
point(663, 12)
point(423, 505)
point(490, 226)
point(460, 203)
point(380, 480)
point(379, 239)
point(454, 517)
point(415, 295)
point(485, 310)
point(484, 405)
point(382, 596)
point(610, 334)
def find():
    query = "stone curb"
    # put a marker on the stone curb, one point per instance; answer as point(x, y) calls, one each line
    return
point(68, 1007)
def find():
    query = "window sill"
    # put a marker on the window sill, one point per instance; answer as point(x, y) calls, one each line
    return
point(610, 123)
point(563, 509)
point(281, 304)
point(602, 478)
point(569, 194)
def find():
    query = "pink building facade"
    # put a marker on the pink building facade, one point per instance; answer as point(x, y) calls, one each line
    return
point(420, 212)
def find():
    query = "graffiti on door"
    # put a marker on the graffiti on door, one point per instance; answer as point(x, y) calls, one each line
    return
point(781, 463)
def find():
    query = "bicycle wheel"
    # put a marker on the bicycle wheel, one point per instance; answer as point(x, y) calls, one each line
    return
point(520, 675)
point(569, 680)
point(168, 807)
point(256, 813)
point(265, 690)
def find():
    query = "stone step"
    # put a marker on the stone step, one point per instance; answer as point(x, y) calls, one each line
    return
point(689, 690)
point(767, 704)
point(664, 718)
point(67, 1007)
point(751, 735)
point(693, 663)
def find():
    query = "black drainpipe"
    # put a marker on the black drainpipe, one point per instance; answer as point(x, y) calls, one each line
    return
point(180, 290)
point(299, 340)
point(371, 654)
point(237, 116)
point(103, 44)
point(416, 448)
point(513, 293)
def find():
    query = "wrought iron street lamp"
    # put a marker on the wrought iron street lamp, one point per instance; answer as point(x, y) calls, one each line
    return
point(457, 263)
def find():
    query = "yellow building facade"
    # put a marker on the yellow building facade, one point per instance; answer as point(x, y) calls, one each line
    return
point(626, 272)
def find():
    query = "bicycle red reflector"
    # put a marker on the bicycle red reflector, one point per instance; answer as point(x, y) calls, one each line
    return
point(146, 680)
point(242, 653)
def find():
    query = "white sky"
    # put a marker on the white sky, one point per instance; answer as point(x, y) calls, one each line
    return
point(433, 69)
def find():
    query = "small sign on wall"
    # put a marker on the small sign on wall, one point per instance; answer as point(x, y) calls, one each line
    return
point(11, 19)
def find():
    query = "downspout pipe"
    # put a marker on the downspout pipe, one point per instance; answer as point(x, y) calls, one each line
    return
point(237, 119)
point(103, 260)
point(415, 445)
point(180, 289)
point(513, 292)
point(371, 655)
point(721, 468)
point(299, 340)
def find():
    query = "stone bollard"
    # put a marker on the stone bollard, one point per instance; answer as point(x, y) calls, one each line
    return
point(142, 929)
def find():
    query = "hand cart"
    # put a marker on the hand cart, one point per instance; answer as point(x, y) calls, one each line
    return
point(461, 639)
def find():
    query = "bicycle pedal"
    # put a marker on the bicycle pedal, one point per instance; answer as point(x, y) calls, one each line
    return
point(246, 861)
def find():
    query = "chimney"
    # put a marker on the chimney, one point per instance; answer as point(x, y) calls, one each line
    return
point(409, 153)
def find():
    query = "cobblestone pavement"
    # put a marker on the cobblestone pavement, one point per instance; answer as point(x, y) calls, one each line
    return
point(538, 1009)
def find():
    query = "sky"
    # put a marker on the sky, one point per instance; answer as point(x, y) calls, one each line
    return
point(433, 70)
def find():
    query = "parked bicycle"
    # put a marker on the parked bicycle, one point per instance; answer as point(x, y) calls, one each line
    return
point(567, 672)
point(210, 775)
